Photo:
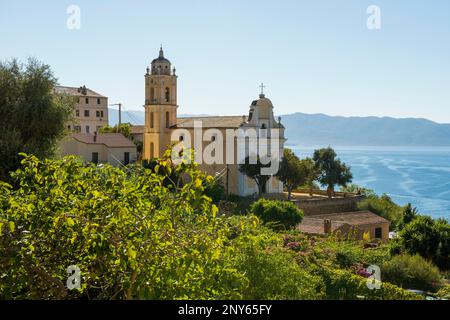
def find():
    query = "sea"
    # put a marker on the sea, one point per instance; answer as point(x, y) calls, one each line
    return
point(416, 175)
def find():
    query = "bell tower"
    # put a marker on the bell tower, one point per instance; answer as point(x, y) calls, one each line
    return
point(160, 106)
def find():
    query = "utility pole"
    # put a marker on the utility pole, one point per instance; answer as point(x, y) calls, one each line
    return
point(120, 115)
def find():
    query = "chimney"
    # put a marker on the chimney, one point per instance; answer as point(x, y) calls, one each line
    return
point(327, 226)
point(95, 136)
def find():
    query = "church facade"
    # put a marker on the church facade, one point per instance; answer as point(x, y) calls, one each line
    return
point(220, 143)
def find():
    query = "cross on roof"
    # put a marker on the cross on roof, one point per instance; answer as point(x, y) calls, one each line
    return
point(262, 86)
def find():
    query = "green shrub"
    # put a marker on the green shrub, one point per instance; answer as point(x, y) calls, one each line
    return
point(278, 214)
point(428, 237)
point(215, 190)
point(344, 285)
point(274, 274)
point(411, 272)
point(131, 236)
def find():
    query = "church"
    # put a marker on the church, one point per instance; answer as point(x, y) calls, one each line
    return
point(164, 128)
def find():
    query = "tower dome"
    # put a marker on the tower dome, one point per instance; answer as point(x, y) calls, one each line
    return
point(161, 65)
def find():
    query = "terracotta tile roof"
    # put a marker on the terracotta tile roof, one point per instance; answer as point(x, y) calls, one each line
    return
point(77, 91)
point(112, 140)
point(315, 224)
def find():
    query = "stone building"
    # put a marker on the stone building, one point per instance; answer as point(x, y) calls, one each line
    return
point(163, 128)
point(112, 148)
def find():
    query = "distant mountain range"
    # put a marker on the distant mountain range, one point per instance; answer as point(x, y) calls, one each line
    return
point(320, 129)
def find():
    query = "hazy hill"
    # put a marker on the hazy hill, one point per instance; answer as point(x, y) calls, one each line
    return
point(320, 129)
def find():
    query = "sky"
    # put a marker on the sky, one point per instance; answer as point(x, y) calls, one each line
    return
point(313, 56)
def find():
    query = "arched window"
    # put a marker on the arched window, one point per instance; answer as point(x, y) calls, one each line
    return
point(167, 119)
point(152, 94)
point(151, 120)
point(167, 94)
point(152, 150)
point(181, 138)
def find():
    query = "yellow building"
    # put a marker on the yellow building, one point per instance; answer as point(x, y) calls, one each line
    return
point(163, 128)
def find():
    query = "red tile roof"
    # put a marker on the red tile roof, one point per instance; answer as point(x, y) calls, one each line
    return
point(315, 224)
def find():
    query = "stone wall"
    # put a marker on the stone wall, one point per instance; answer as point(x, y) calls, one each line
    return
point(326, 205)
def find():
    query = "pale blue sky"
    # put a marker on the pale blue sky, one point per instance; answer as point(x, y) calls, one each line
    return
point(314, 56)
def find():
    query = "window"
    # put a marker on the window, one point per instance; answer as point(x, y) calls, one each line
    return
point(95, 157)
point(152, 150)
point(167, 94)
point(181, 138)
point(152, 94)
point(378, 233)
point(99, 114)
point(98, 100)
point(87, 129)
point(151, 120)
point(87, 100)
point(263, 126)
point(77, 113)
point(77, 128)
point(167, 119)
point(86, 113)
point(126, 158)
point(68, 127)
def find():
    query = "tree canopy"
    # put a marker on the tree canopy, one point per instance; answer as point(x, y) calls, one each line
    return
point(32, 117)
point(331, 170)
point(294, 172)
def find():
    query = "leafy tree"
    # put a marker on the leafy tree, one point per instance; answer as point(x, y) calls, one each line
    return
point(294, 172)
point(131, 237)
point(332, 171)
point(32, 117)
point(253, 171)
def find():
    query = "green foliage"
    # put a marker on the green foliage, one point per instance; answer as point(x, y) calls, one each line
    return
point(354, 188)
point(294, 172)
point(125, 129)
point(427, 237)
point(331, 170)
point(279, 214)
point(32, 117)
point(411, 272)
point(252, 168)
point(274, 274)
point(130, 235)
point(384, 207)
point(343, 285)
point(215, 190)
point(409, 214)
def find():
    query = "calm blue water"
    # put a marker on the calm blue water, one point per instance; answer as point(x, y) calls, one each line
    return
point(420, 176)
